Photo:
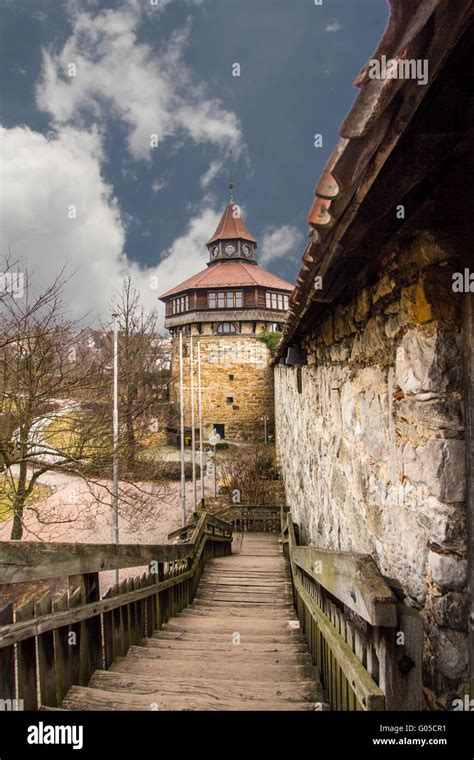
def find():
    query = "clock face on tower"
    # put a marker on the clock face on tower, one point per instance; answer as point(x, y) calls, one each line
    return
point(230, 249)
point(215, 252)
point(246, 250)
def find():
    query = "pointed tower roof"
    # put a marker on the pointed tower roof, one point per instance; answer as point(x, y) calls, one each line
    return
point(231, 225)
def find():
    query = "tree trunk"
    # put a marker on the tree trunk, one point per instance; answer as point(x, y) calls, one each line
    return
point(131, 444)
point(17, 527)
point(19, 505)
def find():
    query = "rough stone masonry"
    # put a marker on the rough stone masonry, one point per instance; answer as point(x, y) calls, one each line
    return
point(371, 442)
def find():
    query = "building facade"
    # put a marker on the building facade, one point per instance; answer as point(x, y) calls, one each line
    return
point(227, 308)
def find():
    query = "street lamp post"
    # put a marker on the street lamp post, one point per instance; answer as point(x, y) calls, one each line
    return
point(181, 419)
point(201, 442)
point(214, 439)
point(115, 433)
point(193, 432)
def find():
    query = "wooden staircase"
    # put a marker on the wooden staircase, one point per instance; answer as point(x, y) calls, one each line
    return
point(238, 646)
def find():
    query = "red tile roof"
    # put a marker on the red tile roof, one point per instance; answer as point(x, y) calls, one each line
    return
point(230, 274)
point(231, 226)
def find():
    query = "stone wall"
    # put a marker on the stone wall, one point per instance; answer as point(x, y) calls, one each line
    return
point(372, 449)
point(247, 360)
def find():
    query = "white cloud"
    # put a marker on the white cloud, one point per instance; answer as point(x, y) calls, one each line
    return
point(158, 184)
point(213, 170)
point(44, 175)
point(151, 92)
point(333, 26)
point(35, 201)
point(278, 242)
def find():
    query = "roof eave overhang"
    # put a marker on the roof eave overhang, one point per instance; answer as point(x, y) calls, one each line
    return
point(369, 134)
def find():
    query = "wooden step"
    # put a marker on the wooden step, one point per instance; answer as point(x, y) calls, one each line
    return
point(234, 653)
point(294, 691)
point(145, 662)
point(237, 612)
point(216, 637)
point(221, 604)
point(84, 698)
point(228, 625)
point(220, 646)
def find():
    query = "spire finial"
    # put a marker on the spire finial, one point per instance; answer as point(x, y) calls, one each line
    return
point(231, 192)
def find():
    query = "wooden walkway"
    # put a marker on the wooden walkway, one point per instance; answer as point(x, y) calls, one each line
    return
point(237, 647)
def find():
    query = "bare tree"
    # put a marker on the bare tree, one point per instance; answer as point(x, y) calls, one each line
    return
point(143, 379)
point(43, 375)
point(55, 408)
point(251, 476)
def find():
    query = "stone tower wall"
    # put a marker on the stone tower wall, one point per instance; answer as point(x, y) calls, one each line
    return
point(248, 360)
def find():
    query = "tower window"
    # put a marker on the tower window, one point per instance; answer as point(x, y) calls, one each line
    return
point(275, 327)
point(230, 399)
point(226, 327)
point(299, 380)
point(278, 301)
point(225, 299)
point(179, 305)
point(231, 377)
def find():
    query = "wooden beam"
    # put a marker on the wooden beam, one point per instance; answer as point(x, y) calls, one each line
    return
point(352, 578)
point(35, 560)
point(23, 630)
point(366, 690)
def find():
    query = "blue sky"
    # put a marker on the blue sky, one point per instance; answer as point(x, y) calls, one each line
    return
point(82, 142)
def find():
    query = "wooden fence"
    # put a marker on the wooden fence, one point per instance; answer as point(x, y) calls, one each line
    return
point(259, 519)
point(367, 646)
point(47, 647)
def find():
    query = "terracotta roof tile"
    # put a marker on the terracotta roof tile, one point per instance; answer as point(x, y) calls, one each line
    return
point(231, 226)
point(230, 274)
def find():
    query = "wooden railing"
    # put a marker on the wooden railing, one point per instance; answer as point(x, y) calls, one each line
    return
point(261, 519)
point(367, 646)
point(47, 647)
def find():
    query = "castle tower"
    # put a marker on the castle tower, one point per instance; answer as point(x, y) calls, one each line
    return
point(226, 307)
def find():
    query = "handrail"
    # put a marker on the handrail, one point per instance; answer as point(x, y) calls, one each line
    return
point(37, 560)
point(357, 632)
point(353, 578)
point(257, 518)
point(39, 641)
point(186, 532)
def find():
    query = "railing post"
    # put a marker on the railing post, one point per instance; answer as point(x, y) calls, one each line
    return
point(108, 624)
point(7, 658)
point(62, 651)
point(90, 629)
point(26, 659)
point(400, 653)
point(74, 638)
point(150, 608)
point(46, 664)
